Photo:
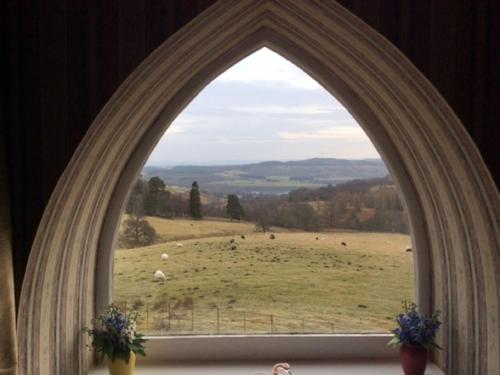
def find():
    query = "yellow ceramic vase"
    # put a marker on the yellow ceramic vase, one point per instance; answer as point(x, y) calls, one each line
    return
point(119, 367)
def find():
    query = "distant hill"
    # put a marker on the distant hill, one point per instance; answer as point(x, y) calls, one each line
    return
point(270, 176)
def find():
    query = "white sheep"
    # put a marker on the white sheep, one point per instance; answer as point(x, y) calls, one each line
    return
point(179, 245)
point(164, 256)
point(160, 276)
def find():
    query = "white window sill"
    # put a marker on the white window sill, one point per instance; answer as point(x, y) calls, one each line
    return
point(358, 367)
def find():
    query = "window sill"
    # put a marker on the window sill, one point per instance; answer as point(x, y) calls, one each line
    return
point(358, 367)
point(269, 347)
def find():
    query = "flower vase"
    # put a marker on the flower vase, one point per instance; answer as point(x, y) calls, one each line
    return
point(413, 359)
point(120, 367)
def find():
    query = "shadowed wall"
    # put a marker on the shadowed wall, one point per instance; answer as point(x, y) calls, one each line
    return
point(63, 60)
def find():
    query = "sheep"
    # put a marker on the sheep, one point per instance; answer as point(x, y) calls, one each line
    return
point(242, 237)
point(164, 256)
point(160, 276)
point(233, 247)
point(272, 236)
point(179, 245)
point(231, 240)
point(317, 238)
point(343, 243)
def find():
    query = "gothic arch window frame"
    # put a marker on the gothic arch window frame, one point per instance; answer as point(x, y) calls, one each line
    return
point(452, 199)
point(318, 346)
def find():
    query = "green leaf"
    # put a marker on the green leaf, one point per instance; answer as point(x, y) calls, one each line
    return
point(394, 342)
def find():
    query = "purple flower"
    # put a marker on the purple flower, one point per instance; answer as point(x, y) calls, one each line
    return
point(114, 334)
point(416, 329)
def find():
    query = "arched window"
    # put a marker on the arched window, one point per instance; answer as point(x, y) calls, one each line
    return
point(295, 227)
point(452, 200)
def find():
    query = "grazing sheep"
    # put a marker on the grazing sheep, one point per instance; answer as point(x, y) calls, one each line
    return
point(242, 237)
point(272, 236)
point(160, 276)
point(179, 245)
point(343, 243)
point(164, 256)
point(408, 249)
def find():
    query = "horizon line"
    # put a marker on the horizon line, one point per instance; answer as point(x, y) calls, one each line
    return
point(246, 162)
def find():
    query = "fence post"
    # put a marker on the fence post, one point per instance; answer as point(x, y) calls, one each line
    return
point(272, 323)
point(192, 317)
point(303, 325)
point(218, 323)
point(147, 317)
point(169, 318)
point(244, 321)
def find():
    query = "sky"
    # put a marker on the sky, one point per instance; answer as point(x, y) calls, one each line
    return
point(262, 108)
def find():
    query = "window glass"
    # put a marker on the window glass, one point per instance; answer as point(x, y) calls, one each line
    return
point(264, 208)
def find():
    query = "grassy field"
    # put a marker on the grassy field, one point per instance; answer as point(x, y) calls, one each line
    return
point(281, 182)
point(179, 229)
point(297, 282)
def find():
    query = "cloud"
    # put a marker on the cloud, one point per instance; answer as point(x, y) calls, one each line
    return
point(175, 129)
point(266, 65)
point(286, 110)
point(263, 108)
point(338, 132)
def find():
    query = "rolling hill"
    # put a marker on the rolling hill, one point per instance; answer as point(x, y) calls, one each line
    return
point(274, 177)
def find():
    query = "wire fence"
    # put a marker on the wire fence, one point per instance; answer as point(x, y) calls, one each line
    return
point(188, 319)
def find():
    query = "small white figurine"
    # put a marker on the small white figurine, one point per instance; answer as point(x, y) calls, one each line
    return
point(279, 369)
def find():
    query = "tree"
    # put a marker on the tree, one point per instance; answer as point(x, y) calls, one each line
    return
point(157, 199)
point(179, 205)
point(136, 199)
point(300, 215)
point(329, 213)
point(262, 221)
point(137, 232)
point(262, 212)
point(195, 202)
point(234, 208)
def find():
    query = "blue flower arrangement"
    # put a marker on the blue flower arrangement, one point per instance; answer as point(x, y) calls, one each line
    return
point(416, 329)
point(113, 334)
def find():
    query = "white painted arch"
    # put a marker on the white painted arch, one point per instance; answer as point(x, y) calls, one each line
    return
point(452, 199)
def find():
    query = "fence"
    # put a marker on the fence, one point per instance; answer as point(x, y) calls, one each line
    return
point(187, 319)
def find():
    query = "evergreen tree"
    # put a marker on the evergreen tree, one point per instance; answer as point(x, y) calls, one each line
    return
point(195, 202)
point(234, 208)
point(157, 199)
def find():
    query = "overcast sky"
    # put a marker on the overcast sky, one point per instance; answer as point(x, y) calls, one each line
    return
point(263, 108)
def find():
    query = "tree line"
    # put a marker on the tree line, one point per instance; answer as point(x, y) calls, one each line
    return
point(152, 198)
point(371, 205)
